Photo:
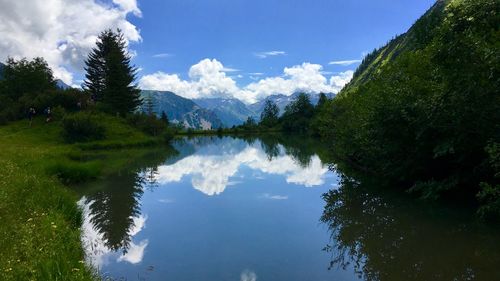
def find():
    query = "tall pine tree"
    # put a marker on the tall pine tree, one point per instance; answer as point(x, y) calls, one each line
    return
point(110, 77)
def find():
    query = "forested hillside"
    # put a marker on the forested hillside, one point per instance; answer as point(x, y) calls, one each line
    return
point(423, 112)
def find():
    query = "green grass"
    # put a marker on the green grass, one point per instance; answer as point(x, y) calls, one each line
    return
point(40, 221)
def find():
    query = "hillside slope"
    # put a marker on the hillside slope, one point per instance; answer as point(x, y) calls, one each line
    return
point(423, 112)
point(229, 110)
point(183, 111)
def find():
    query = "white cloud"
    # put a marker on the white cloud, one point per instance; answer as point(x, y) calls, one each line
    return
point(274, 197)
point(61, 31)
point(162, 55)
point(208, 78)
point(129, 6)
point(229, 69)
point(248, 275)
point(344, 62)
point(338, 81)
point(264, 55)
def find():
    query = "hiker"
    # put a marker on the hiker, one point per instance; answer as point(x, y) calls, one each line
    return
point(48, 112)
point(31, 114)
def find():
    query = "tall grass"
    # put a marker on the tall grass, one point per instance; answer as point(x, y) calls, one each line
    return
point(40, 221)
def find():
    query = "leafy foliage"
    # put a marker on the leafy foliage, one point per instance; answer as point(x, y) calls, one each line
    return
point(82, 127)
point(269, 116)
point(28, 84)
point(421, 110)
point(298, 114)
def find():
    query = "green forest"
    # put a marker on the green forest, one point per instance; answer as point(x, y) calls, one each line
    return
point(422, 113)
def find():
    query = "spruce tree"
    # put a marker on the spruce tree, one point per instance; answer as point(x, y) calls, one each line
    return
point(149, 105)
point(322, 100)
point(164, 118)
point(110, 77)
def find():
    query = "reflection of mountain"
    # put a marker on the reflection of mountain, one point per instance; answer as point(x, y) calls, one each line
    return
point(388, 238)
point(219, 159)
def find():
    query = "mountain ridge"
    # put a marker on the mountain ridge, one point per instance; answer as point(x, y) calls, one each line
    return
point(181, 110)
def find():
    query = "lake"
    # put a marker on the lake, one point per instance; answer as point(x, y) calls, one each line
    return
point(269, 208)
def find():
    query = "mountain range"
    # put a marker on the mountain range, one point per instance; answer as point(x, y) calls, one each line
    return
point(212, 113)
point(206, 113)
point(2, 67)
point(181, 110)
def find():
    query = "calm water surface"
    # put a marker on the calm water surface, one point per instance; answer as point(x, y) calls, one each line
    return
point(252, 209)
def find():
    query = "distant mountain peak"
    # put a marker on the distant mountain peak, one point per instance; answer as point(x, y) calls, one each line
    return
point(183, 111)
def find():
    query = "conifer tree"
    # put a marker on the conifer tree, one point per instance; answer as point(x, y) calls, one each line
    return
point(110, 77)
point(322, 100)
point(164, 118)
point(149, 105)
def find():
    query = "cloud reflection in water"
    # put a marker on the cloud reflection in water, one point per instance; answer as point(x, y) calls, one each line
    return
point(211, 174)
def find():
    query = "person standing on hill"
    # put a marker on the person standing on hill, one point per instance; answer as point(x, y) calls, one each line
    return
point(48, 112)
point(31, 114)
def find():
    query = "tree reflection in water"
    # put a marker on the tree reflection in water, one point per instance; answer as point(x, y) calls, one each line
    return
point(391, 237)
point(115, 204)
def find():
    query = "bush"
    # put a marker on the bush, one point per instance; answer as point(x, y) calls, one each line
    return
point(82, 127)
point(58, 113)
point(70, 172)
point(149, 124)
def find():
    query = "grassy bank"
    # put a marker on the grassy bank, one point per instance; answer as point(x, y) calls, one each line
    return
point(39, 233)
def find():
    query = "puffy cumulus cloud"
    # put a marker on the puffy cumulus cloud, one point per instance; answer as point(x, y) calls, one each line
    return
point(209, 78)
point(129, 6)
point(307, 78)
point(61, 31)
point(338, 81)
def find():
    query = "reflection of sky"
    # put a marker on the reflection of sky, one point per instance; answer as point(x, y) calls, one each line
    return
point(211, 167)
point(96, 251)
point(211, 173)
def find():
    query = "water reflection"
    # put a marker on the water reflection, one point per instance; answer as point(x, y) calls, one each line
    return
point(389, 237)
point(114, 221)
point(111, 209)
point(211, 169)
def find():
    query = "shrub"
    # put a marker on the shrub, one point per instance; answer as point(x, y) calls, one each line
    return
point(70, 172)
point(149, 124)
point(58, 113)
point(82, 127)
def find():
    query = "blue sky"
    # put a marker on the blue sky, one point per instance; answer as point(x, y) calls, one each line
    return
point(212, 48)
point(231, 31)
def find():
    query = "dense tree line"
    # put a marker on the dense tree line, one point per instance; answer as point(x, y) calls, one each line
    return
point(426, 118)
point(28, 88)
point(28, 84)
point(299, 117)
